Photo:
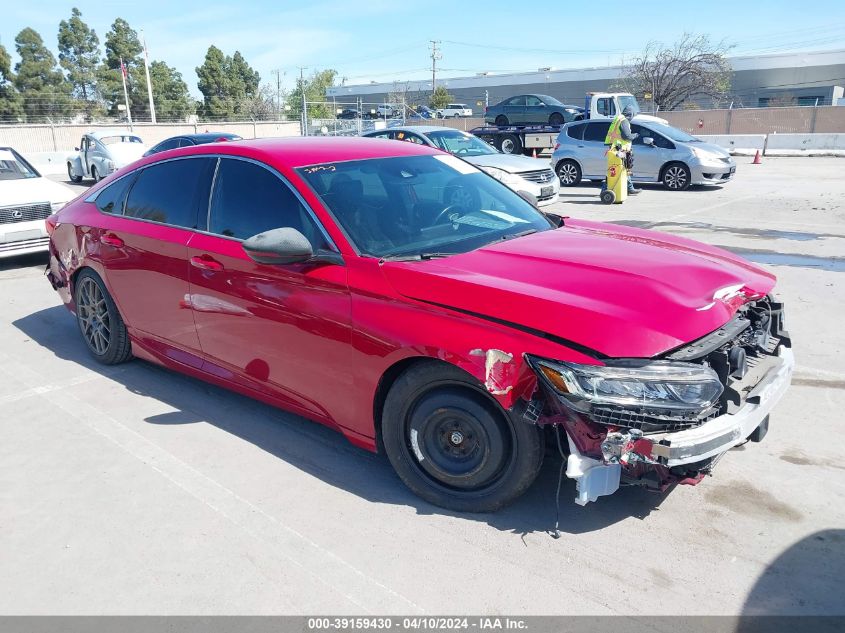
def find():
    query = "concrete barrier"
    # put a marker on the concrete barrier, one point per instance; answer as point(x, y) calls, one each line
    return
point(49, 163)
point(805, 145)
point(740, 144)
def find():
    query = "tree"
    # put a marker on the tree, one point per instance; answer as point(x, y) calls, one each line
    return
point(122, 43)
point(45, 93)
point(440, 98)
point(314, 88)
point(79, 54)
point(228, 85)
point(692, 67)
point(11, 105)
point(172, 100)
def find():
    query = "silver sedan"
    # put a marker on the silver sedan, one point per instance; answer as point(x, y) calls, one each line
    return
point(520, 173)
point(661, 154)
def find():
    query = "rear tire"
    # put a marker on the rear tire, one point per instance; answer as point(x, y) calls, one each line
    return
point(99, 321)
point(94, 174)
point(569, 172)
point(502, 120)
point(510, 144)
point(453, 445)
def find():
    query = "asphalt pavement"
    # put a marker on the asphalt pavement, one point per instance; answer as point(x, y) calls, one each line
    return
point(132, 489)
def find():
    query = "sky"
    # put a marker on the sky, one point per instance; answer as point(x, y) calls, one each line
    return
point(388, 40)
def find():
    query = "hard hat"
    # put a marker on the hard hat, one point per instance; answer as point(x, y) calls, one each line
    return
point(628, 112)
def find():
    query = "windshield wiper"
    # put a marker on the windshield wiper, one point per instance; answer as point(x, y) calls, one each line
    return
point(520, 234)
point(411, 257)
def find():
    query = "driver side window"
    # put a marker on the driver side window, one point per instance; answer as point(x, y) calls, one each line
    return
point(248, 199)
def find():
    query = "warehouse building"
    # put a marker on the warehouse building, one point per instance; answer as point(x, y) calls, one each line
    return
point(805, 78)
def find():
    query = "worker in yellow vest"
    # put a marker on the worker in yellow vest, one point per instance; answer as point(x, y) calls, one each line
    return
point(620, 131)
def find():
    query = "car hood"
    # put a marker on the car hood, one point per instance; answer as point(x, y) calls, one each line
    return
point(619, 291)
point(508, 162)
point(710, 148)
point(124, 153)
point(32, 190)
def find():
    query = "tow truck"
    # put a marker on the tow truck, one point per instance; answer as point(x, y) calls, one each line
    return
point(533, 139)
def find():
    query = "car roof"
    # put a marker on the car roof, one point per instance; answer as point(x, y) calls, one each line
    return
point(203, 136)
point(296, 152)
point(106, 133)
point(422, 129)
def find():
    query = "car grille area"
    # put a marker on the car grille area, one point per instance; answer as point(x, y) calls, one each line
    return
point(540, 176)
point(25, 213)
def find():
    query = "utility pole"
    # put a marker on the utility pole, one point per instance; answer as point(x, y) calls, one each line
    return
point(147, 73)
point(436, 55)
point(278, 72)
point(304, 103)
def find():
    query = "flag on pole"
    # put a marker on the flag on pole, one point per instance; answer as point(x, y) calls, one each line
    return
point(123, 69)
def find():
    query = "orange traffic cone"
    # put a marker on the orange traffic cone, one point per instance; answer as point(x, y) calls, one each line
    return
point(534, 153)
point(757, 160)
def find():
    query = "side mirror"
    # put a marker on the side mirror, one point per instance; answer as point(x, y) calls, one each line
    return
point(279, 246)
point(648, 140)
point(530, 198)
point(75, 149)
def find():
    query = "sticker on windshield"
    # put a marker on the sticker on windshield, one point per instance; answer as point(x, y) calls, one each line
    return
point(457, 164)
point(316, 168)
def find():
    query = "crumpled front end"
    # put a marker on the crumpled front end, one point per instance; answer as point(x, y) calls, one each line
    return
point(667, 420)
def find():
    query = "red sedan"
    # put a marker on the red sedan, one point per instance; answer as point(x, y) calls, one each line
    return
point(420, 307)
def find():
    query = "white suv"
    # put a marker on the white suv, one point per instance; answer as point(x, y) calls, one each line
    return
point(455, 110)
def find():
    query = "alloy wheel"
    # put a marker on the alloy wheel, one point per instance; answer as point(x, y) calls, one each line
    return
point(94, 318)
point(568, 174)
point(675, 177)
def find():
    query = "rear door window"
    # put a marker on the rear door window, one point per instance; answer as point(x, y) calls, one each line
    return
point(171, 143)
point(596, 131)
point(576, 131)
point(171, 192)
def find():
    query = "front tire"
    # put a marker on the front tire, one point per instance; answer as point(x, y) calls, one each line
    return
point(94, 174)
point(569, 173)
point(71, 175)
point(510, 144)
point(453, 445)
point(556, 118)
point(676, 177)
point(99, 321)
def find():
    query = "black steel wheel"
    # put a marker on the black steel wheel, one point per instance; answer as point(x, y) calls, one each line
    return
point(676, 176)
point(510, 144)
point(453, 445)
point(99, 321)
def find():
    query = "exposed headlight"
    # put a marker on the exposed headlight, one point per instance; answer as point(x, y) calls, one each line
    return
point(704, 155)
point(56, 206)
point(501, 175)
point(655, 385)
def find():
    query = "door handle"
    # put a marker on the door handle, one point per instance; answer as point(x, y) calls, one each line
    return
point(206, 262)
point(112, 240)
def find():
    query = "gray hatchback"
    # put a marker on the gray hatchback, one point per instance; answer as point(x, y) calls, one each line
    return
point(661, 154)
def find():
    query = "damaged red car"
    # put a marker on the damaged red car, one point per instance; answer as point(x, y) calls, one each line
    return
point(424, 309)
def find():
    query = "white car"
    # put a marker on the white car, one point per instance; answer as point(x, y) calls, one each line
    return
point(26, 200)
point(101, 153)
point(455, 110)
point(520, 173)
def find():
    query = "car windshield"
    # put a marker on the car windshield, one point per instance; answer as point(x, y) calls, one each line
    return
point(673, 133)
point(626, 101)
point(420, 206)
point(460, 143)
point(14, 167)
point(111, 140)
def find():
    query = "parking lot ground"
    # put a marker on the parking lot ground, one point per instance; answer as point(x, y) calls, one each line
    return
point(131, 489)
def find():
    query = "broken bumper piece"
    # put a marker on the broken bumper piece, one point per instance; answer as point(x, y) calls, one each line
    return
point(595, 478)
